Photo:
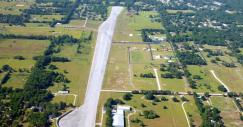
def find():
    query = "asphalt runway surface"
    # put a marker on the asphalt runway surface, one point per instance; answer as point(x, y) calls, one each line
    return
point(85, 116)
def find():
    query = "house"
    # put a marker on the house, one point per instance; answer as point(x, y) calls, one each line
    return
point(119, 117)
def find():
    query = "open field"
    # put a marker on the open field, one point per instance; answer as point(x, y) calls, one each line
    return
point(129, 26)
point(23, 47)
point(117, 73)
point(232, 77)
point(228, 110)
point(207, 82)
point(179, 11)
point(171, 117)
point(20, 30)
point(13, 7)
point(79, 63)
point(46, 17)
point(9, 48)
point(17, 80)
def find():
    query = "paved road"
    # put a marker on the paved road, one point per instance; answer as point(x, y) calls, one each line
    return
point(85, 116)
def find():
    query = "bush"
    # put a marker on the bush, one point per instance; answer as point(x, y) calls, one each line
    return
point(222, 88)
point(164, 99)
point(19, 58)
point(175, 99)
point(149, 96)
point(127, 96)
point(150, 114)
point(52, 67)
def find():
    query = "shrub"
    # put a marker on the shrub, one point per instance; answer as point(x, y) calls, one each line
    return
point(150, 114)
point(127, 96)
point(19, 58)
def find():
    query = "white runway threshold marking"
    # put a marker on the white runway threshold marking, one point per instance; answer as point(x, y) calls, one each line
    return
point(85, 116)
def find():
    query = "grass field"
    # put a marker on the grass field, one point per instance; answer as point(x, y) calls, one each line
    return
point(24, 47)
point(232, 77)
point(171, 117)
point(33, 30)
point(14, 7)
point(9, 48)
point(207, 82)
point(129, 26)
point(228, 110)
point(46, 17)
point(78, 70)
point(117, 73)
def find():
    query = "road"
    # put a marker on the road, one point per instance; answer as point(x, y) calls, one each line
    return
point(85, 116)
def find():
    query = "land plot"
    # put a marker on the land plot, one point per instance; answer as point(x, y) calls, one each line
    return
point(22, 47)
point(14, 7)
point(206, 82)
point(172, 116)
point(117, 72)
point(45, 17)
point(228, 110)
point(77, 70)
point(179, 11)
point(129, 26)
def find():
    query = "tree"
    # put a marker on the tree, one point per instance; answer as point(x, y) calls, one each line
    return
point(164, 98)
point(150, 114)
point(127, 96)
point(19, 58)
point(175, 99)
point(222, 88)
point(149, 96)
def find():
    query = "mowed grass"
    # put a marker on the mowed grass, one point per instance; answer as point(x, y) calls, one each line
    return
point(228, 110)
point(24, 47)
point(117, 73)
point(171, 117)
point(129, 26)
